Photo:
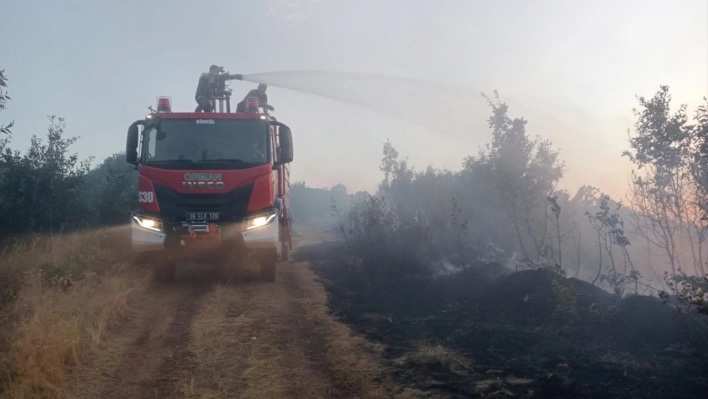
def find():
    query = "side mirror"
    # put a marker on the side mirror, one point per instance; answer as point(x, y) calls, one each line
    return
point(286, 143)
point(131, 143)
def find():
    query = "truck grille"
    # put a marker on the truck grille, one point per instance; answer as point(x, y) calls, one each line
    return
point(231, 205)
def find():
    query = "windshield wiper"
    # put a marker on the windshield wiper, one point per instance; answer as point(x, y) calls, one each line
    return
point(171, 160)
point(225, 160)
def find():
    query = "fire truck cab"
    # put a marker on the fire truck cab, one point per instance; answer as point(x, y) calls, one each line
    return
point(211, 186)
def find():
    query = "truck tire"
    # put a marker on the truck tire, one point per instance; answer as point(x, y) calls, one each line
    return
point(165, 271)
point(269, 265)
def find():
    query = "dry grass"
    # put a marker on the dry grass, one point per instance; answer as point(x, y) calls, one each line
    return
point(240, 345)
point(436, 354)
point(356, 362)
point(250, 341)
point(278, 341)
point(215, 341)
point(54, 330)
point(57, 300)
point(60, 259)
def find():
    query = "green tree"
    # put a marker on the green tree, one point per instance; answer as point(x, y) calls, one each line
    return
point(41, 189)
point(112, 190)
point(3, 100)
point(699, 157)
point(397, 175)
point(523, 173)
point(662, 189)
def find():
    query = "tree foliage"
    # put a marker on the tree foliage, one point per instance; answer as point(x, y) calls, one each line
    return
point(503, 206)
point(48, 189)
point(4, 97)
point(523, 173)
point(41, 187)
point(663, 193)
point(112, 190)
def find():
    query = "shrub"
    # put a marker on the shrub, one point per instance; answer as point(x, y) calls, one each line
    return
point(385, 243)
point(60, 260)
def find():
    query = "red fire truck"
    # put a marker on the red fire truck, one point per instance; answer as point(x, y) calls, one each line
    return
point(211, 186)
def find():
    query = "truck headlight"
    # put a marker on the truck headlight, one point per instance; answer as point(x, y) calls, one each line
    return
point(257, 221)
point(148, 222)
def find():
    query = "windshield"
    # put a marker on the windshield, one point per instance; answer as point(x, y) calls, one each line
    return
point(206, 143)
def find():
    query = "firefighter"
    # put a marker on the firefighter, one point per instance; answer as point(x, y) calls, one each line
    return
point(257, 152)
point(260, 92)
point(204, 89)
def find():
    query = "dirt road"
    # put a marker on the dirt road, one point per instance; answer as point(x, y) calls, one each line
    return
point(202, 338)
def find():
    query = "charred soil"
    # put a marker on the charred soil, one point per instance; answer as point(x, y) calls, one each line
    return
point(491, 332)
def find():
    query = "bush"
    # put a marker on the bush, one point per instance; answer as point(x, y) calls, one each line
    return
point(385, 243)
point(49, 330)
point(61, 260)
point(41, 189)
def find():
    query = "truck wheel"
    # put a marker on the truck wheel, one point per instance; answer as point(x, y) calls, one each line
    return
point(165, 271)
point(269, 264)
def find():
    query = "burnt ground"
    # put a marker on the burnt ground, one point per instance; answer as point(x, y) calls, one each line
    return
point(494, 333)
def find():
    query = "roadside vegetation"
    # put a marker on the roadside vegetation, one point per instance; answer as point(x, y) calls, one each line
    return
point(486, 281)
point(61, 294)
point(496, 261)
point(65, 274)
point(48, 196)
point(66, 263)
point(505, 206)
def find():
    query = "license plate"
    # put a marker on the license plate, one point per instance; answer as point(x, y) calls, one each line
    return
point(203, 216)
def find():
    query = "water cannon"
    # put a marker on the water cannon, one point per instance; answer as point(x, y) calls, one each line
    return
point(221, 78)
point(235, 76)
point(221, 93)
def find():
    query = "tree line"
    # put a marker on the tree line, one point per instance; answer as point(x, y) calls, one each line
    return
point(505, 205)
point(48, 189)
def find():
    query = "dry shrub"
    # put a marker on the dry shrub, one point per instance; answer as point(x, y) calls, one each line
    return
point(50, 329)
point(385, 243)
point(61, 259)
point(691, 302)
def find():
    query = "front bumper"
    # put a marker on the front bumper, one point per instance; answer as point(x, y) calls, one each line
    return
point(232, 234)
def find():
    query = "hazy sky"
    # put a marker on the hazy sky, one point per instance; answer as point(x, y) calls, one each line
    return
point(571, 68)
